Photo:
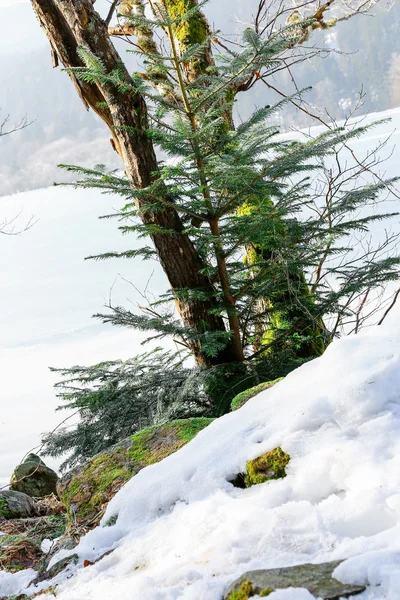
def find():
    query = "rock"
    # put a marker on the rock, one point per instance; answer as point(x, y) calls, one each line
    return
point(87, 489)
point(34, 478)
point(56, 569)
point(317, 579)
point(15, 505)
point(271, 465)
point(243, 397)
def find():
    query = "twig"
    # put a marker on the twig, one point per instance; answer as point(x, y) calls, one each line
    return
point(387, 311)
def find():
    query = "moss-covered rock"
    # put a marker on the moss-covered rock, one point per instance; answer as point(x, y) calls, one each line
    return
point(271, 465)
point(34, 478)
point(243, 591)
point(243, 397)
point(317, 579)
point(86, 490)
point(16, 505)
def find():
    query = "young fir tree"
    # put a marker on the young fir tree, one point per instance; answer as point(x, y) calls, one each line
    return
point(73, 24)
point(188, 27)
point(116, 398)
point(233, 188)
point(236, 188)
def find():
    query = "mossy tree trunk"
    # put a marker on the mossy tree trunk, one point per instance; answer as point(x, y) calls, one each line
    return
point(72, 24)
point(288, 324)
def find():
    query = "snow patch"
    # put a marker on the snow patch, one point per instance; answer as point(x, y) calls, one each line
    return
point(184, 532)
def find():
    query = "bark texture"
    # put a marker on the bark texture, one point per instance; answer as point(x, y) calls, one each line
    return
point(273, 334)
point(70, 24)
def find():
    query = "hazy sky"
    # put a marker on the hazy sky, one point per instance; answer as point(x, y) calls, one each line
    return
point(28, 27)
point(11, 2)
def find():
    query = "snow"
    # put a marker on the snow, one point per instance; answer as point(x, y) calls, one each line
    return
point(11, 583)
point(184, 532)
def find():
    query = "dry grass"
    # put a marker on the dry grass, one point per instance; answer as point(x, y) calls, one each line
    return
point(49, 505)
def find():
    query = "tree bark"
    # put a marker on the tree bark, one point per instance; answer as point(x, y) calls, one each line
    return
point(69, 24)
point(196, 30)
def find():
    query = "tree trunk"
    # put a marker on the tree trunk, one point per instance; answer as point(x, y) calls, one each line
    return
point(196, 30)
point(69, 24)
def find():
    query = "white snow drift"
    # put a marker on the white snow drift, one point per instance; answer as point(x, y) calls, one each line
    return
point(183, 531)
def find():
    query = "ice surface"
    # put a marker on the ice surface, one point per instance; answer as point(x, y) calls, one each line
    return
point(49, 294)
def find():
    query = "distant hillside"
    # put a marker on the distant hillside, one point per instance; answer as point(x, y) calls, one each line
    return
point(63, 131)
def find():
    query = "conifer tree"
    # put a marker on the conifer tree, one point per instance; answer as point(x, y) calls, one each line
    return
point(79, 38)
point(236, 188)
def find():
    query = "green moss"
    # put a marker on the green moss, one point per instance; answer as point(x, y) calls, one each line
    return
point(243, 397)
point(145, 451)
point(103, 472)
point(187, 429)
point(289, 326)
point(243, 593)
point(271, 465)
point(3, 509)
point(189, 31)
point(100, 479)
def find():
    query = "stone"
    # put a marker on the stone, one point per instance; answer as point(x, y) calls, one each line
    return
point(317, 579)
point(87, 489)
point(34, 478)
point(268, 466)
point(241, 399)
point(16, 505)
point(55, 569)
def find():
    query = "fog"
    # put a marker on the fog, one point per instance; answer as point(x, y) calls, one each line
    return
point(63, 131)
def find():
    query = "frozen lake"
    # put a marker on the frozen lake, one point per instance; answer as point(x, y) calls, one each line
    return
point(49, 294)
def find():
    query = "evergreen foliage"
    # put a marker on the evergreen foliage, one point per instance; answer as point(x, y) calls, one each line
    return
point(115, 399)
point(214, 173)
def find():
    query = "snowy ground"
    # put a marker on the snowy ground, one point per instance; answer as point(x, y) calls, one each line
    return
point(184, 532)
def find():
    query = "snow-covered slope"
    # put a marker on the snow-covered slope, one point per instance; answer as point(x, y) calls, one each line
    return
point(184, 532)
